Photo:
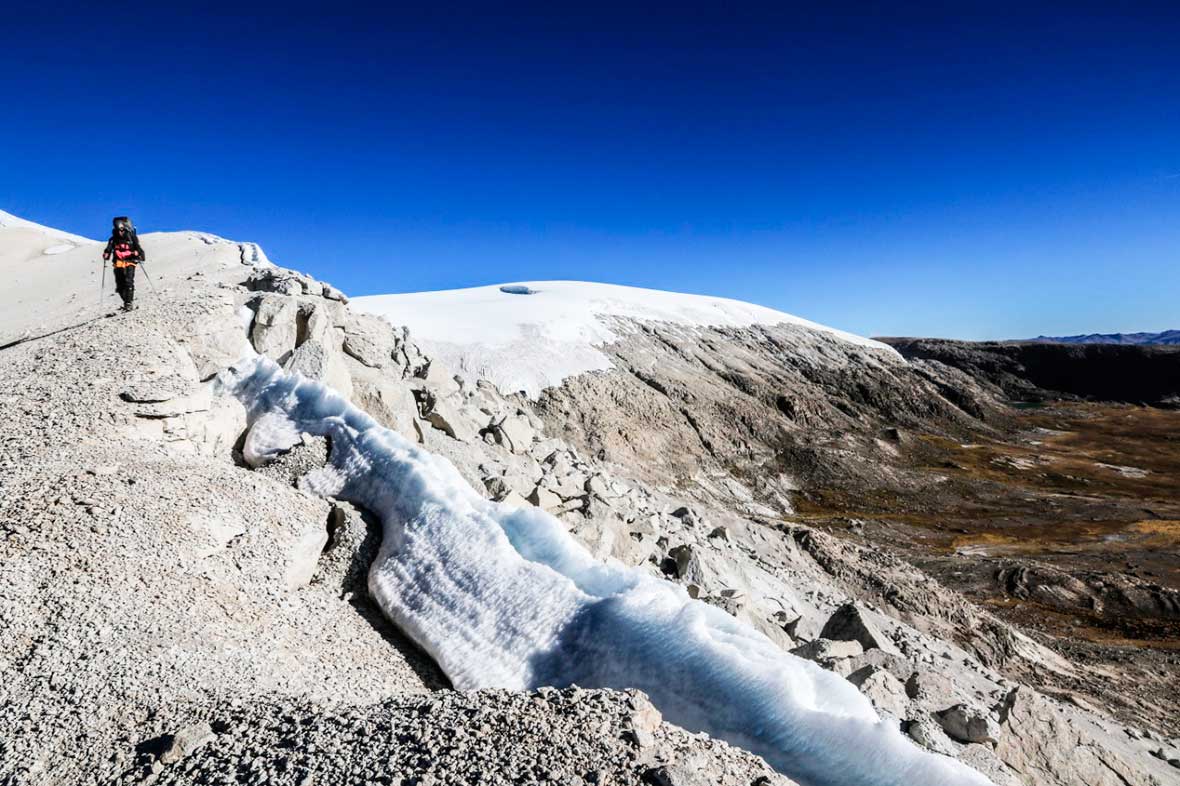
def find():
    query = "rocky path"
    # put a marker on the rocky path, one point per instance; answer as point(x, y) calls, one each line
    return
point(137, 578)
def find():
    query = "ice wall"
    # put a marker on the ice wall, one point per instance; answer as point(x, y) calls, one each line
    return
point(504, 597)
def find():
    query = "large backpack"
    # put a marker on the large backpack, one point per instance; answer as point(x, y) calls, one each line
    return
point(124, 221)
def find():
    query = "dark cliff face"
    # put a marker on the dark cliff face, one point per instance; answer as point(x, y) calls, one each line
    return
point(1037, 371)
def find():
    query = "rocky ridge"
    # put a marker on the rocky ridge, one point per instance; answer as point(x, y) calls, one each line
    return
point(122, 560)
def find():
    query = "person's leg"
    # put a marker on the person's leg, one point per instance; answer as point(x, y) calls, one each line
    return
point(129, 285)
point(119, 283)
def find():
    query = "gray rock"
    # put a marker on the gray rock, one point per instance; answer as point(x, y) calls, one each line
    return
point(370, 340)
point(885, 691)
point(850, 623)
point(317, 362)
point(185, 741)
point(929, 734)
point(275, 329)
point(389, 400)
point(643, 721)
point(544, 498)
point(446, 415)
point(277, 280)
point(967, 724)
point(931, 690)
point(822, 650)
point(895, 664)
point(515, 433)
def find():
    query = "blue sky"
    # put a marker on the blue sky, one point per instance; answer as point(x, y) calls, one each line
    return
point(983, 171)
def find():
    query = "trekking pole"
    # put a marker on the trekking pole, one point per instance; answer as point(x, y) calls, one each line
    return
point(155, 294)
point(102, 286)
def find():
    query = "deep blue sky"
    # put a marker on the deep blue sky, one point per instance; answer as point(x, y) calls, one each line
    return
point(954, 169)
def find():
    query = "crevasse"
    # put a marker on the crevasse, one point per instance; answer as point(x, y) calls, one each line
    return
point(504, 597)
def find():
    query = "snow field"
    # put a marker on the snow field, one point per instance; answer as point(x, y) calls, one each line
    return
point(532, 335)
point(505, 597)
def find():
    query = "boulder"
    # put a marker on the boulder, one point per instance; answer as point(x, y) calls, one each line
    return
point(440, 379)
point(545, 499)
point(303, 556)
point(687, 564)
point(894, 664)
point(568, 486)
point(515, 433)
point(315, 323)
point(597, 486)
point(512, 481)
point(275, 331)
point(967, 724)
point(514, 500)
point(772, 628)
point(827, 650)
point(277, 280)
point(642, 721)
point(929, 734)
point(931, 690)
point(315, 361)
point(369, 340)
point(214, 340)
point(446, 415)
point(389, 401)
point(687, 515)
point(216, 431)
point(850, 623)
point(182, 743)
point(883, 689)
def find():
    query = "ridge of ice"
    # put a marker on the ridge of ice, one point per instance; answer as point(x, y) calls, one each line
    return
point(505, 597)
point(531, 343)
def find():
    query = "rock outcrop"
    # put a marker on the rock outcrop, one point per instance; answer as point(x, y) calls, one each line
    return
point(1038, 371)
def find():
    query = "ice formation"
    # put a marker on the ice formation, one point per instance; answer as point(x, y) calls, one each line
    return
point(505, 597)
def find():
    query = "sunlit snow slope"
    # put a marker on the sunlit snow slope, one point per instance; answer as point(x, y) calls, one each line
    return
point(532, 341)
point(504, 597)
point(54, 278)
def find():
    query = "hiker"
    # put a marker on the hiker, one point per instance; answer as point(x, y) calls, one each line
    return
point(124, 249)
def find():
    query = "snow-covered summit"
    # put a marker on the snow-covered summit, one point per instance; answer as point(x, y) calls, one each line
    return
point(26, 237)
point(532, 335)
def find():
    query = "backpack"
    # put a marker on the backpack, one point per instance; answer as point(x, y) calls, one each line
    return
point(125, 222)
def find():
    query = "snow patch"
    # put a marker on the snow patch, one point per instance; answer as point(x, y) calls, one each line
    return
point(488, 332)
point(59, 249)
point(252, 254)
point(504, 597)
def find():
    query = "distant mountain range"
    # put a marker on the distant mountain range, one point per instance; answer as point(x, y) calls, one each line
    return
point(1164, 337)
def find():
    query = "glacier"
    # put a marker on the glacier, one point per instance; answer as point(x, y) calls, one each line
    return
point(558, 331)
point(504, 597)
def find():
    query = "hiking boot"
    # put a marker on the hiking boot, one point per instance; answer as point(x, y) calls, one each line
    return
point(128, 306)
